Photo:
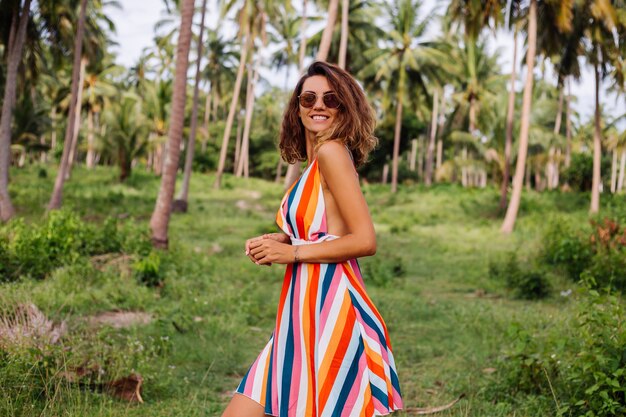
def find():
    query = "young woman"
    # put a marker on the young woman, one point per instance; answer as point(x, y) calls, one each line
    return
point(330, 353)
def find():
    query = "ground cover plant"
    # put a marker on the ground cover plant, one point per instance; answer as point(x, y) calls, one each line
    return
point(459, 323)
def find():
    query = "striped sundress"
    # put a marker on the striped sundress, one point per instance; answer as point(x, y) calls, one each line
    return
point(329, 355)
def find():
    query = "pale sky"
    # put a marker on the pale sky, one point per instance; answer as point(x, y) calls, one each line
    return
point(135, 31)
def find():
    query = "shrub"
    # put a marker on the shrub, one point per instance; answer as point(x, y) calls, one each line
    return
point(529, 284)
point(580, 364)
point(149, 271)
point(35, 250)
point(565, 246)
point(381, 270)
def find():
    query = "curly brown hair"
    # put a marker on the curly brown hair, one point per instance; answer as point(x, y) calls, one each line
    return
point(354, 125)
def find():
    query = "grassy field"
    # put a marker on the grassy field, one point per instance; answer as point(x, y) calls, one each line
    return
point(449, 321)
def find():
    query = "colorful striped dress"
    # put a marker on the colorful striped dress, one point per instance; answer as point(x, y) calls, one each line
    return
point(330, 354)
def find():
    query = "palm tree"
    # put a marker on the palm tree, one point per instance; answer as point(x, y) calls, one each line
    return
point(252, 17)
point(327, 35)
point(160, 217)
point(394, 62)
point(247, 17)
point(220, 70)
point(601, 24)
point(513, 207)
point(57, 193)
point(126, 131)
point(14, 49)
point(182, 201)
point(363, 34)
point(562, 21)
point(474, 74)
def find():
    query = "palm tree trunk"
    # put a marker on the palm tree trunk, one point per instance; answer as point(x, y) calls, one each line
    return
point(302, 51)
point(53, 132)
point(191, 143)
point(614, 172)
point(343, 43)
point(385, 173)
point(396, 135)
point(508, 141)
point(428, 179)
point(90, 140)
point(161, 216)
point(79, 102)
point(279, 170)
point(557, 167)
point(233, 107)
point(15, 47)
point(57, 193)
point(568, 125)
point(413, 155)
point(516, 195)
point(439, 157)
point(622, 168)
point(245, 142)
point(552, 171)
point(238, 135)
point(207, 115)
point(597, 150)
point(327, 35)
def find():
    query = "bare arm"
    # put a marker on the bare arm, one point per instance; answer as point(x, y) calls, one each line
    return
point(337, 170)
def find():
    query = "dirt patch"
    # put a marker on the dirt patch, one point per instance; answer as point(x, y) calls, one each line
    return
point(121, 319)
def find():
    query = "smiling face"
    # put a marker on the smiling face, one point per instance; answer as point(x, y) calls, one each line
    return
point(319, 117)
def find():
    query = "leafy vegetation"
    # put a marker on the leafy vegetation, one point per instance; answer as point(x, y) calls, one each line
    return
point(455, 327)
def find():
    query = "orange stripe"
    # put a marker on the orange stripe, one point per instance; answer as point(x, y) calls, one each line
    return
point(336, 357)
point(335, 338)
point(283, 298)
point(357, 286)
point(312, 301)
point(265, 375)
point(311, 207)
point(303, 204)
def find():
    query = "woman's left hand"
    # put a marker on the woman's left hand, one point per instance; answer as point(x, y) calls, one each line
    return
point(268, 251)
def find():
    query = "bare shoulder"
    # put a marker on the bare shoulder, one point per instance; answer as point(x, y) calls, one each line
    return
point(333, 156)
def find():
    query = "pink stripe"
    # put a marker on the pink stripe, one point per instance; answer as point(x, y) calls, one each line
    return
point(357, 272)
point(378, 406)
point(372, 334)
point(397, 399)
point(356, 386)
point(297, 363)
point(251, 375)
point(330, 296)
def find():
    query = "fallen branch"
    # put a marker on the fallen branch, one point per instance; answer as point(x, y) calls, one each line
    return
point(432, 410)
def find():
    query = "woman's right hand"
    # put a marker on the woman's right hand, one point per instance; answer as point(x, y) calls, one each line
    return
point(278, 237)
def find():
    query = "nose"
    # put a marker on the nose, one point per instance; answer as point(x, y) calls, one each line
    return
point(319, 101)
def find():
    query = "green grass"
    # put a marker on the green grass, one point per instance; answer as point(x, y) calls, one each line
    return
point(216, 309)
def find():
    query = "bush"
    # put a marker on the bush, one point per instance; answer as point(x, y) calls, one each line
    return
point(600, 255)
point(582, 366)
point(62, 239)
point(565, 246)
point(525, 284)
point(149, 271)
point(381, 270)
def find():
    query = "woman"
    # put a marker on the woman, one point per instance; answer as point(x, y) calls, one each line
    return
point(330, 353)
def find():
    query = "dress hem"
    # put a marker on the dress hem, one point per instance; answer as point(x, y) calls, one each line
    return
point(390, 412)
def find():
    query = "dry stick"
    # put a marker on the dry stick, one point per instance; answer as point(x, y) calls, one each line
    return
point(432, 410)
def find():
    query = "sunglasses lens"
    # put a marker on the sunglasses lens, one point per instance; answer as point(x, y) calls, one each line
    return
point(307, 100)
point(331, 100)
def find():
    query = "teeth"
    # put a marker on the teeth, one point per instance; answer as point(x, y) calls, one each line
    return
point(320, 117)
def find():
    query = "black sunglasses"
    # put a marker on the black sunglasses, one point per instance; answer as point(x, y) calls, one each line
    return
point(308, 99)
